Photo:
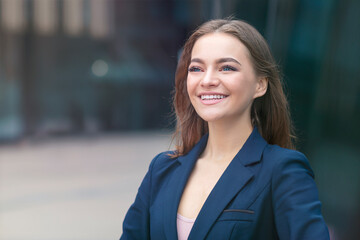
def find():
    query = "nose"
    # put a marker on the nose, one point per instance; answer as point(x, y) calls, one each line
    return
point(210, 79)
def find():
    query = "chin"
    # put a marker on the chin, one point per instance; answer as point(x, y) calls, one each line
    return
point(210, 117)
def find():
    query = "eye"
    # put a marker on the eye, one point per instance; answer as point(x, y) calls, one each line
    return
point(228, 68)
point(194, 69)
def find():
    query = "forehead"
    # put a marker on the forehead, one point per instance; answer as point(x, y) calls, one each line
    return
point(214, 45)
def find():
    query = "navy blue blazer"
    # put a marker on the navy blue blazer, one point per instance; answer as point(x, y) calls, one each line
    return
point(266, 192)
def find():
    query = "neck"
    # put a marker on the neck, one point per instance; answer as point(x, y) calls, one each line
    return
point(225, 142)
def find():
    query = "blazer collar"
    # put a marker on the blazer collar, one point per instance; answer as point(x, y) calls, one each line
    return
point(234, 178)
point(176, 185)
point(195, 152)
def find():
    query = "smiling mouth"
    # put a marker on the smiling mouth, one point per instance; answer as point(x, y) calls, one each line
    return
point(212, 97)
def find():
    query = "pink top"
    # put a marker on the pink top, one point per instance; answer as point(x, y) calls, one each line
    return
point(184, 226)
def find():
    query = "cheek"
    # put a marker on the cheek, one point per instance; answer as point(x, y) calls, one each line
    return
point(190, 86)
point(191, 90)
point(244, 91)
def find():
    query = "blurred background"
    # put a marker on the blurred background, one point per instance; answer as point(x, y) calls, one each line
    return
point(86, 84)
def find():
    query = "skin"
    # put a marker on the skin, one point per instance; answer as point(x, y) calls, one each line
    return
point(220, 65)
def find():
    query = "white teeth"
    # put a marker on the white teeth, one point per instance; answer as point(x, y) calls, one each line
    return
point(210, 97)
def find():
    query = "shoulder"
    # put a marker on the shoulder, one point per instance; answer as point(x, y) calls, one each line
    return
point(291, 174)
point(162, 162)
point(161, 169)
point(283, 160)
point(163, 159)
point(282, 153)
point(296, 205)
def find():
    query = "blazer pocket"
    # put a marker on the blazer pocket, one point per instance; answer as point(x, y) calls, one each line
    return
point(237, 215)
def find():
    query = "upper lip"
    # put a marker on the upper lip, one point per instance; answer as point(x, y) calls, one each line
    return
point(211, 93)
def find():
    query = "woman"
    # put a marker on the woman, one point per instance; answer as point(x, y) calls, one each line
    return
point(233, 175)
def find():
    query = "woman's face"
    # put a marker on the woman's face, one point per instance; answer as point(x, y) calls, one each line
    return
point(221, 80)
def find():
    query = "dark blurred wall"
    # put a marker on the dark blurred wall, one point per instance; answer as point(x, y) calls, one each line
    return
point(113, 68)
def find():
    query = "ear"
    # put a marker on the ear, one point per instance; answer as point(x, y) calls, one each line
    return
point(261, 87)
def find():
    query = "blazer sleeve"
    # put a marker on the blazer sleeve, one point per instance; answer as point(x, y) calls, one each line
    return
point(136, 223)
point(297, 209)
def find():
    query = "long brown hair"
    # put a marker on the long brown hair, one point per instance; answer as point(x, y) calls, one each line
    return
point(270, 112)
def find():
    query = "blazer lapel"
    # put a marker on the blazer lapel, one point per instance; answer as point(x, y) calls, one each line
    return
point(176, 185)
point(230, 184)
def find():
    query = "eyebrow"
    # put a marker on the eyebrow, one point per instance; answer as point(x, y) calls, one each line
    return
point(220, 60)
